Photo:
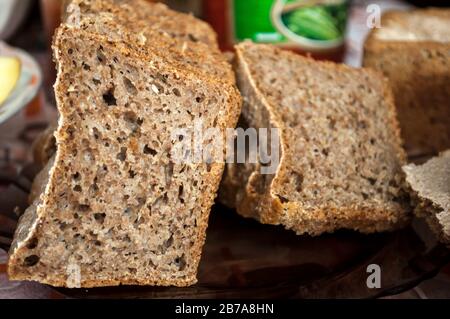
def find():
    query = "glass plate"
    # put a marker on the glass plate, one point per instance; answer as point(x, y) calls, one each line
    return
point(244, 259)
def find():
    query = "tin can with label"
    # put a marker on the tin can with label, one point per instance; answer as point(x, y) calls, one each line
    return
point(316, 27)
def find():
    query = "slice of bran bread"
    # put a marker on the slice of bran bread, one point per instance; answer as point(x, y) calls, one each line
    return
point(116, 208)
point(341, 158)
point(412, 49)
point(430, 186)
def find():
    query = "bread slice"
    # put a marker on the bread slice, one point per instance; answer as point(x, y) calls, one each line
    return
point(116, 208)
point(126, 23)
point(149, 25)
point(412, 51)
point(341, 158)
point(157, 15)
point(430, 185)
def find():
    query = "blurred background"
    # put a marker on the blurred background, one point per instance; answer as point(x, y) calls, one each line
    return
point(326, 29)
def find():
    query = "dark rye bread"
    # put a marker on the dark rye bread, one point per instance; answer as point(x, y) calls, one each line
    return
point(430, 186)
point(340, 150)
point(116, 209)
point(412, 49)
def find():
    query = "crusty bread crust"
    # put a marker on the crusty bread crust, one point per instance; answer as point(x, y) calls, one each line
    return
point(41, 180)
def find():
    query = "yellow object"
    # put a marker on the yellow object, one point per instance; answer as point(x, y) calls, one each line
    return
point(9, 75)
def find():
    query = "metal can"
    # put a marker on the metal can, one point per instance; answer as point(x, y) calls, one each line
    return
point(316, 27)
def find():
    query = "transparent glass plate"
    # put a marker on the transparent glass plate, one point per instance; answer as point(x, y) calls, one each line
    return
point(244, 259)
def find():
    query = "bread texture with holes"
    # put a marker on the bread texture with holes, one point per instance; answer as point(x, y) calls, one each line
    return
point(341, 159)
point(430, 186)
point(412, 49)
point(114, 207)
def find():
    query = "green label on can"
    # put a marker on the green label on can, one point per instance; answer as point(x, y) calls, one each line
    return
point(318, 24)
